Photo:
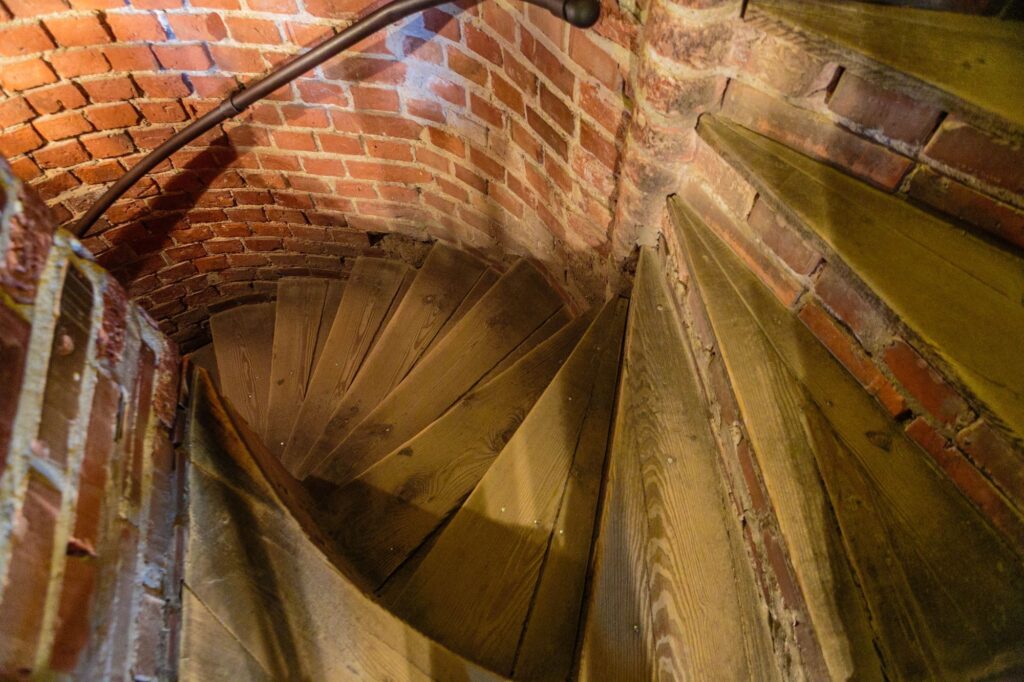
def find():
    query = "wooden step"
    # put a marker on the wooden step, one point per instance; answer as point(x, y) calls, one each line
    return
point(960, 294)
point(445, 279)
point(476, 589)
point(368, 297)
point(553, 324)
point(944, 592)
point(243, 340)
point(332, 301)
point(482, 286)
point(519, 303)
point(672, 589)
point(206, 357)
point(382, 516)
point(971, 57)
point(298, 327)
point(271, 589)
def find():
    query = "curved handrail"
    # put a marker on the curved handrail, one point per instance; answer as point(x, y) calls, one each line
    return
point(579, 13)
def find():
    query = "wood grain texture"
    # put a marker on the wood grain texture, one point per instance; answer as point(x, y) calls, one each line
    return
point(332, 301)
point(776, 414)
point(482, 286)
point(474, 590)
point(946, 594)
point(959, 293)
point(508, 313)
point(369, 295)
point(446, 277)
point(706, 620)
point(243, 339)
point(553, 324)
point(209, 651)
point(300, 308)
point(548, 641)
point(206, 357)
point(272, 589)
point(381, 517)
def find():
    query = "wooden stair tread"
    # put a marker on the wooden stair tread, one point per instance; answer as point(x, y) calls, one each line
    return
point(945, 592)
point(209, 651)
point(474, 590)
point(243, 339)
point(332, 301)
point(952, 288)
point(300, 311)
point(446, 278)
point(508, 313)
point(704, 618)
point(968, 56)
point(382, 516)
point(271, 588)
point(206, 357)
point(482, 286)
point(553, 324)
point(776, 412)
point(368, 297)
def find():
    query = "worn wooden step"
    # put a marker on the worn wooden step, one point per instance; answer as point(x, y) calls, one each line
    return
point(382, 516)
point(445, 279)
point(269, 586)
point(243, 340)
point(332, 301)
point(960, 294)
point(206, 357)
point(519, 303)
point(968, 56)
point(369, 295)
point(482, 286)
point(478, 587)
point(672, 589)
point(553, 324)
point(944, 592)
point(298, 328)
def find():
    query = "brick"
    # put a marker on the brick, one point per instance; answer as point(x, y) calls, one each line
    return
point(375, 99)
point(17, 41)
point(305, 117)
point(997, 457)
point(850, 355)
point(926, 385)
point(447, 141)
point(80, 62)
point(259, 31)
point(814, 135)
point(26, 74)
point(500, 21)
point(783, 239)
point(32, 8)
point(366, 170)
point(129, 28)
point(198, 26)
point(441, 23)
point(548, 134)
point(594, 103)
point(366, 70)
point(104, 171)
point(340, 144)
point(852, 307)
point(110, 89)
point(61, 155)
point(874, 108)
point(163, 86)
point(78, 31)
point(392, 151)
point(559, 111)
point(552, 27)
point(448, 91)
point(422, 50)
point(781, 65)
point(24, 168)
point(549, 65)
point(486, 111)
point(484, 45)
point(508, 94)
point(61, 126)
point(967, 204)
point(275, 6)
point(183, 57)
point(108, 116)
point(597, 144)
point(594, 60)
point(105, 145)
point(728, 184)
point(487, 164)
point(976, 153)
point(466, 66)
point(14, 111)
point(162, 112)
point(56, 98)
point(14, 337)
point(334, 9)
point(130, 58)
point(527, 142)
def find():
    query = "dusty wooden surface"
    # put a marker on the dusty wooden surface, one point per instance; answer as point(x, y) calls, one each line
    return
point(507, 314)
point(776, 414)
point(949, 286)
point(945, 592)
point(968, 56)
point(474, 590)
point(243, 339)
point(368, 296)
point(380, 518)
point(439, 287)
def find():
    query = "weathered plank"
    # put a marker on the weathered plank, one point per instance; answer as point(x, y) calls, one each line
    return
point(369, 295)
point(482, 286)
point(381, 517)
point(474, 590)
point(209, 651)
point(707, 619)
point(300, 308)
point(968, 56)
point(446, 277)
point(243, 339)
point(549, 638)
point(959, 293)
point(508, 313)
point(332, 300)
point(206, 357)
point(272, 589)
point(542, 333)
point(945, 593)
point(775, 413)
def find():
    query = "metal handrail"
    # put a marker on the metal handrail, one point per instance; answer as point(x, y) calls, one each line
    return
point(580, 13)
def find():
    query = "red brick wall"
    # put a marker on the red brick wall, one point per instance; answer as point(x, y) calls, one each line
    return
point(496, 127)
point(87, 472)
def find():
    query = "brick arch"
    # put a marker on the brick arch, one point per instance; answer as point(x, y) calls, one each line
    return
point(496, 127)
